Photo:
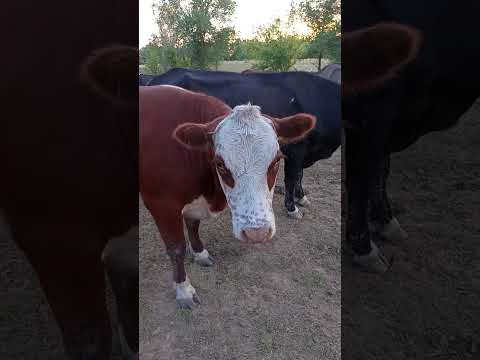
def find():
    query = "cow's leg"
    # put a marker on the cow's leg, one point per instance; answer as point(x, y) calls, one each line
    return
point(67, 260)
point(358, 168)
point(295, 154)
point(120, 258)
point(169, 221)
point(300, 197)
point(186, 295)
point(382, 220)
point(200, 254)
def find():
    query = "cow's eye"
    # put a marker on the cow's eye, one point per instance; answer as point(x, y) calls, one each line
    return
point(221, 167)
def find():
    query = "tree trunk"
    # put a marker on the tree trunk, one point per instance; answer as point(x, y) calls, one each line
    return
point(320, 56)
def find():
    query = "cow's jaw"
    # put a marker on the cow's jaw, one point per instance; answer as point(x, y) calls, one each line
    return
point(247, 144)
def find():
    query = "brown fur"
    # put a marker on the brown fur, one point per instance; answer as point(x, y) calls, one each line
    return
point(173, 122)
point(293, 128)
point(194, 136)
point(273, 170)
point(171, 174)
point(224, 172)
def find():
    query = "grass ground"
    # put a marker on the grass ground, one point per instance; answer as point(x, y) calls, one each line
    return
point(427, 306)
point(277, 302)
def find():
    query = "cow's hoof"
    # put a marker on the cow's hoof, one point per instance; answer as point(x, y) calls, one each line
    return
point(295, 214)
point(374, 262)
point(203, 258)
point(393, 231)
point(186, 295)
point(304, 202)
point(188, 303)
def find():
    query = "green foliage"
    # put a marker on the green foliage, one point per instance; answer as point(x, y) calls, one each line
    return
point(159, 59)
point(153, 57)
point(277, 50)
point(323, 18)
point(193, 32)
point(244, 49)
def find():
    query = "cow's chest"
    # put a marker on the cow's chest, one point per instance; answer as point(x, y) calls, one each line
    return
point(199, 209)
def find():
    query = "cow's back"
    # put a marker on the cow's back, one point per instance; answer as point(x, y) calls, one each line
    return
point(429, 94)
point(167, 169)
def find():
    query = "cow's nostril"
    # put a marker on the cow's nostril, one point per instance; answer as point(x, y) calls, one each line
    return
point(243, 236)
point(256, 235)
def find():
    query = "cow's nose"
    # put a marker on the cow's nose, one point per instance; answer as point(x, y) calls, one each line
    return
point(257, 235)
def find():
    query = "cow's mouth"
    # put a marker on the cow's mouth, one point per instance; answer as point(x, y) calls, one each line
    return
point(256, 235)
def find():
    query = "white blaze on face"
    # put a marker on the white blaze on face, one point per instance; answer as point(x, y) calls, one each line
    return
point(247, 144)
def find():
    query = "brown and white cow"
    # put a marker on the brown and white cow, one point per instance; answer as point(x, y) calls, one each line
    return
point(196, 156)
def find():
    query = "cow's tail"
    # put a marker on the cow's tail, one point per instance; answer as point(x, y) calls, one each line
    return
point(112, 73)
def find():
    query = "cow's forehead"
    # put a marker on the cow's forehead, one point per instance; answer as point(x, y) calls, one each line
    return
point(246, 136)
point(244, 119)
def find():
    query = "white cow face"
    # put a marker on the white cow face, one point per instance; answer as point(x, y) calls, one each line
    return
point(247, 156)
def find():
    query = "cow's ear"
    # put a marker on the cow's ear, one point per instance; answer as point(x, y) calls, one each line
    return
point(373, 55)
point(193, 136)
point(111, 72)
point(293, 128)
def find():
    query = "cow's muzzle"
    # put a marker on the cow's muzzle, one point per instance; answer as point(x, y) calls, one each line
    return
point(256, 235)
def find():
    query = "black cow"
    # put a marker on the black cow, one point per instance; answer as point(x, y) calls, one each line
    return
point(144, 79)
point(278, 94)
point(427, 95)
point(332, 72)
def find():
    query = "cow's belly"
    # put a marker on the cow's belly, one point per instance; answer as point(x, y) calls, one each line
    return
point(199, 209)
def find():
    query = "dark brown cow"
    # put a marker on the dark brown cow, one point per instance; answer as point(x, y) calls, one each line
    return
point(197, 155)
point(70, 182)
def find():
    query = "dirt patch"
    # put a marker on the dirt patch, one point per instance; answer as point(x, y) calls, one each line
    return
point(427, 306)
point(241, 65)
point(28, 330)
point(278, 302)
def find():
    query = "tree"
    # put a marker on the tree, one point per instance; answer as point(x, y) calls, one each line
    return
point(277, 51)
point(195, 30)
point(323, 18)
point(152, 58)
point(244, 49)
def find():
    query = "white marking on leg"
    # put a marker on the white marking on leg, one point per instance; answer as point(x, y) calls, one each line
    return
point(296, 214)
point(304, 201)
point(202, 255)
point(184, 290)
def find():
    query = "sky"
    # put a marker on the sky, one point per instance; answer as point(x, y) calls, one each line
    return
point(249, 15)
